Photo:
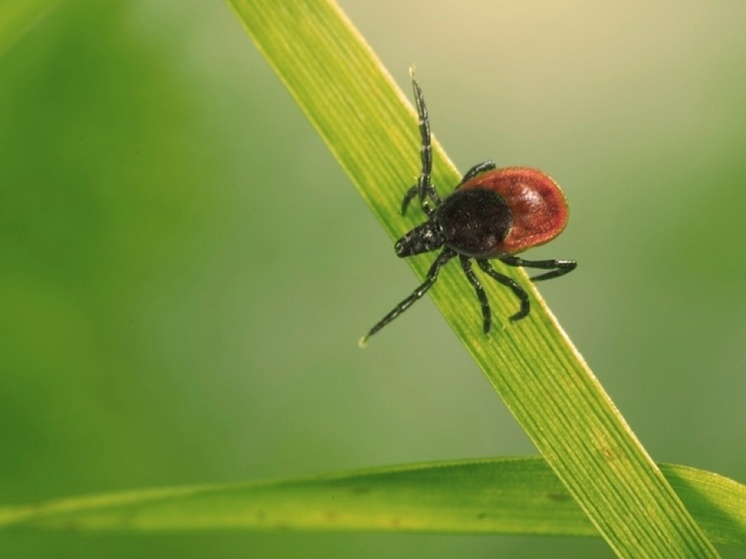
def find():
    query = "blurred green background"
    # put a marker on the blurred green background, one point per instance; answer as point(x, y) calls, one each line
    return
point(185, 271)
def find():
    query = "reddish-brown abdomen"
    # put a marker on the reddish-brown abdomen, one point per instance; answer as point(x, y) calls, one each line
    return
point(538, 206)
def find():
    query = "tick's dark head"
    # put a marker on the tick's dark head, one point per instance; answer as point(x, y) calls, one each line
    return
point(423, 238)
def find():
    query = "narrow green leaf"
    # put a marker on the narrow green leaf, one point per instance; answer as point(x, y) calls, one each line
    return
point(370, 127)
point(496, 496)
point(17, 17)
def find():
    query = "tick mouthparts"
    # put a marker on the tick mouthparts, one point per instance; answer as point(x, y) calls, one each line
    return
point(423, 238)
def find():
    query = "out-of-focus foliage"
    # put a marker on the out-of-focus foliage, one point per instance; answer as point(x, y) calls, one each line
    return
point(172, 312)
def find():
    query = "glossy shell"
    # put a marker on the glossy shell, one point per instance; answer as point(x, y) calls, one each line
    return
point(538, 206)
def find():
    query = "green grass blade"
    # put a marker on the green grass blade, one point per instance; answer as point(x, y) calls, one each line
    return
point(495, 496)
point(370, 127)
point(17, 17)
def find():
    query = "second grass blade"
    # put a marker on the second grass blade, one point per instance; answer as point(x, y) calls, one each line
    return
point(489, 496)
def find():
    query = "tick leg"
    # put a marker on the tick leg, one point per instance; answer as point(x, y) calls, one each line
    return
point(432, 275)
point(481, 295)
point(558, 267)
point(408, 197)
point(477, 169)
point(433, 194)
point(424, 188)
point(413, 191)
point(512, 284)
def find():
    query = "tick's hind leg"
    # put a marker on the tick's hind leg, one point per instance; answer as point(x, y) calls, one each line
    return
point(510, 283)
point(558, 267)
point(481, 295)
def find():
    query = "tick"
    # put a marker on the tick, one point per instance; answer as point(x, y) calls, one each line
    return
point(492, 214)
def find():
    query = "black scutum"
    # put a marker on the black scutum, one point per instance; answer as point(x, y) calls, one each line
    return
point(474, 221)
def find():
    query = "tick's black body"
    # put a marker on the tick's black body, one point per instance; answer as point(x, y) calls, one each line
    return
point(493, 213)
point(470, 222)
